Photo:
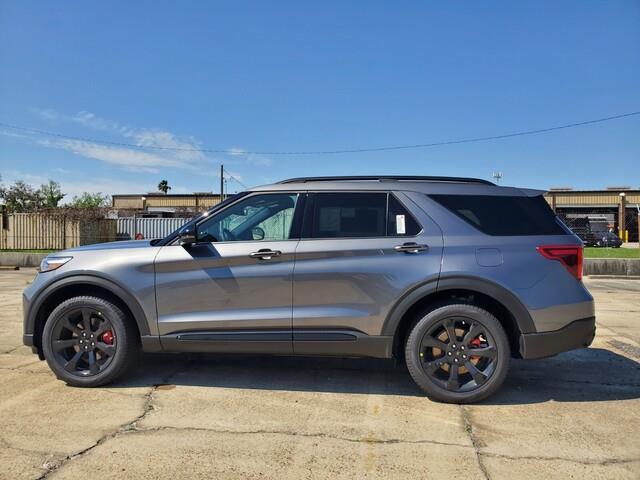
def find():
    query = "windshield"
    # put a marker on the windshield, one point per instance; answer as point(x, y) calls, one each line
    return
point(173, 235)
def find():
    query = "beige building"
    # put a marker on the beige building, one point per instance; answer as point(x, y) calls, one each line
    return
point(161, 205)
point(618, 206)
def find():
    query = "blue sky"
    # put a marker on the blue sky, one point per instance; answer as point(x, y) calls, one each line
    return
point(265, 76)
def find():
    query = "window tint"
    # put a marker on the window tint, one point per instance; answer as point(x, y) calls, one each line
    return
point(258, 217)
point(340, 215)
point(504, 215)
point(400, 222)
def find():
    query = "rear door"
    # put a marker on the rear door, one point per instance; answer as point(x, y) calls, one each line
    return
point(359, 252)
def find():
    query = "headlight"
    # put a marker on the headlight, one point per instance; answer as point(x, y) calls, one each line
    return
point(52, 263)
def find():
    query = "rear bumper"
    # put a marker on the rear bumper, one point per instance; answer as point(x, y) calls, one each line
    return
point(578, 334)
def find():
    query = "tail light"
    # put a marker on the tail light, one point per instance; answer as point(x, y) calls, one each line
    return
point(569, 255)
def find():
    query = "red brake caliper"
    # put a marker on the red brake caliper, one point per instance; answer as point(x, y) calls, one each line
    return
point(107, 337)
point(476, 343)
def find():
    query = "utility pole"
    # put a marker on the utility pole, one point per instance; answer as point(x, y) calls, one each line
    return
point(497, 176)
point(221, 182)
point(638, 224)
point(622, 217)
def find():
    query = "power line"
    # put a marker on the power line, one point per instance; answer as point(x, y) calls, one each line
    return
point(234, 177)
point(325, 152)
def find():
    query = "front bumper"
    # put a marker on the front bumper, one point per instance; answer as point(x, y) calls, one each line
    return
point(577, 334)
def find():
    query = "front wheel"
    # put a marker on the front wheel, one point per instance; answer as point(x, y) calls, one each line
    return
point(89, 341)
point(458, 353)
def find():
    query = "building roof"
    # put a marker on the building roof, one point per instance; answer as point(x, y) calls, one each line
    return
point(160, 200)
point(592, 198)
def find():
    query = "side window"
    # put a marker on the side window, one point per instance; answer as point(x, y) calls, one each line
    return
point(258, 217)
point(344, 215)
point(400, 222)
point(502, 215)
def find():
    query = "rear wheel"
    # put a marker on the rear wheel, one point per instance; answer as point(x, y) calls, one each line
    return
point(458, 353)
point(88, 341)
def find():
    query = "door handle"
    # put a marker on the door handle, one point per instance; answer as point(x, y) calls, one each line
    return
point(411, 247)
point(265, 254)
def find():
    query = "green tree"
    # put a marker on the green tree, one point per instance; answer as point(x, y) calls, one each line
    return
point(21, 197)
point(163, 186)
point(90, 201)
point(52, 194)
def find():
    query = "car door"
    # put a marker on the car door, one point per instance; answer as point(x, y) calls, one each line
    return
point(232, 289)
point(360, 252)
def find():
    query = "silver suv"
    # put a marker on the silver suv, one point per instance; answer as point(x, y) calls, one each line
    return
point(452, 275)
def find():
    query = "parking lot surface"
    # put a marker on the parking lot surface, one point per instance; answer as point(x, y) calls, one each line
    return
point(576, 415)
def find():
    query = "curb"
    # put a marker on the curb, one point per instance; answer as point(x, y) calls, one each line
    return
point(19, 259)
point(619, 267)
point(613, 277)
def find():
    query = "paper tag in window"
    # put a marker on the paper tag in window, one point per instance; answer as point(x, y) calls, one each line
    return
point(400, 228)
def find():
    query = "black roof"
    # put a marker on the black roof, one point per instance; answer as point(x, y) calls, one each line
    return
point(382, 178)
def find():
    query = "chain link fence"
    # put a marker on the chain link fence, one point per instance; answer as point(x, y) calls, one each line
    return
point(588, 222)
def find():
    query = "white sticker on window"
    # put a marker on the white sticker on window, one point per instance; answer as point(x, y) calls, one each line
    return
point(400, 228)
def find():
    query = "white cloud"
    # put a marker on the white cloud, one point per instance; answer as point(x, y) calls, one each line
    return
point(160, 149)
point(184, 150)
point(251, 158)
point(166, 150)
point(11, 176)
point(128, 158)
point(47, 114)
point(7, 133)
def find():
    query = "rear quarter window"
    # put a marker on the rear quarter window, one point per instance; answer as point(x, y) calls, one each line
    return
point(504, 215)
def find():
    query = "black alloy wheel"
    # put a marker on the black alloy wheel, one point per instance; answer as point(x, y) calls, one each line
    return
point(458, 353)
point(89, 341)
point(83, 341)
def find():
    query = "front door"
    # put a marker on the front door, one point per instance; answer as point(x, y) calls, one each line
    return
point(232, 290)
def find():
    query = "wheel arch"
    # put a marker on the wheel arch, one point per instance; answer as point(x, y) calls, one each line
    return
point(81, 285)
point(494, 298)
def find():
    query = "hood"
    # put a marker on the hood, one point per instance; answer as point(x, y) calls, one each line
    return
point(112, 245)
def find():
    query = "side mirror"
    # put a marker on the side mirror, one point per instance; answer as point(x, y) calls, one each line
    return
point(187, 235)
point(257, 233)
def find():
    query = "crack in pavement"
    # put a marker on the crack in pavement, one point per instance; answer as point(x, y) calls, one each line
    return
point(122, 429)
point(480, 452)
point(8, 445)
point(59, 463)
point(131, 428)
point(468, 426)
point(608, 461)
point(535, 378)
point(390, 441)
point(11, 350)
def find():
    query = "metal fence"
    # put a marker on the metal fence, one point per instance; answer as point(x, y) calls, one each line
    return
point(35, 231)
point(130, 228)
point(583, 221)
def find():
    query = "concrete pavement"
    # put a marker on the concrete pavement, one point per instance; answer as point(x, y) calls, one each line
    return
point(215, 416)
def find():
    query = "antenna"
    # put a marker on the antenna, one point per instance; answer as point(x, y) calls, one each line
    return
point(497, 176)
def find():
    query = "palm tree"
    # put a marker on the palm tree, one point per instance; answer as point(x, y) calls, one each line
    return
point(163, 186)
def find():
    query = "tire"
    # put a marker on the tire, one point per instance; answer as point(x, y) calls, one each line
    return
point(90, 359)
point(430, 359)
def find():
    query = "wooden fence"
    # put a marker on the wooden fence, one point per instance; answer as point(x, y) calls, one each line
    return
point(35, 231)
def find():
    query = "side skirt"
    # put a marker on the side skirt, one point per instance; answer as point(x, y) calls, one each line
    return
point(300, 342)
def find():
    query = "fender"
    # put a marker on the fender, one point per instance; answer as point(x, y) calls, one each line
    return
point(460, 282)
point(92, 279)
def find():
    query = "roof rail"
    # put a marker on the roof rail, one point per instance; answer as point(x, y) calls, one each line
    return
point(381, 178)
